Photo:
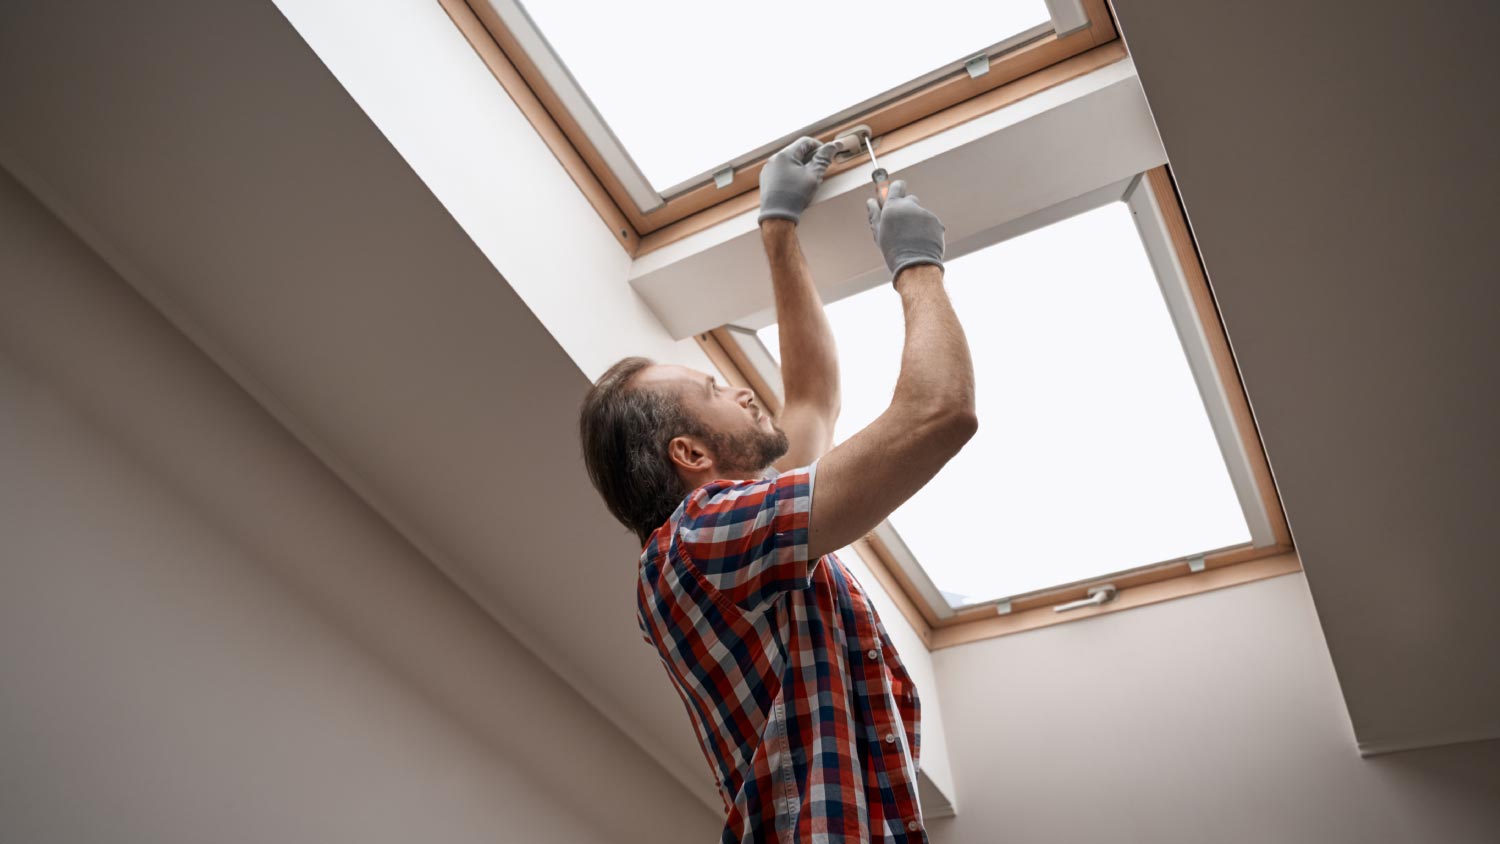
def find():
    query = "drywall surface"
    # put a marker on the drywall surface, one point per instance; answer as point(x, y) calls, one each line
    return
point(1211, 718)
point(414, 74)
point(424, 353)
point(205, 636)
point(1338, 164)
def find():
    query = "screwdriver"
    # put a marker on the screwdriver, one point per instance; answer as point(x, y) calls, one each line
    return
point(881, 178)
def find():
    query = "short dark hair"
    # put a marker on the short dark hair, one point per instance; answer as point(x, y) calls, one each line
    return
point(624, 431)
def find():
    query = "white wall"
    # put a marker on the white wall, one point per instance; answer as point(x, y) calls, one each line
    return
point(1215, 718)
point(205, 636)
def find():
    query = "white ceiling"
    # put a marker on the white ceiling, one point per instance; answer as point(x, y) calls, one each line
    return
point(1338, 163)
point(210, 157)
point(1345, 208)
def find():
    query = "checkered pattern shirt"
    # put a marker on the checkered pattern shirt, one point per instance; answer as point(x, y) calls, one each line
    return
point(809, 720)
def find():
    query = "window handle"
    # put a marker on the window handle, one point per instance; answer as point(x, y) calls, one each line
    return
point(1097, 596)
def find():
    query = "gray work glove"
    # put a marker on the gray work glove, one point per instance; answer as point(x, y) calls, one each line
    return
point(789, 178)
point(906, 233)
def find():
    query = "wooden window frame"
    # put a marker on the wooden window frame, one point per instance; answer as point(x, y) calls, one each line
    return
point(1138, 586)
point(933, 108)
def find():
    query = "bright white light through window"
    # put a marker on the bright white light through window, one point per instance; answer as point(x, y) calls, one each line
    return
point(1094, 452)
point(688, 85)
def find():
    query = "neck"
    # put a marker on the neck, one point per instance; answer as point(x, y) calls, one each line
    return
point(693, 480)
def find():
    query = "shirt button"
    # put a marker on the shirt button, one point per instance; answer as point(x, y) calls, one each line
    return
point(911, 826)
point(890, 738)
point(872, 654)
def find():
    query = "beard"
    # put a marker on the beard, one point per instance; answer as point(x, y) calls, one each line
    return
point(748, 452)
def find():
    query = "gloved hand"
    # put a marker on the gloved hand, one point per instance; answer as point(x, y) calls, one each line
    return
point(906, 233)
point(789, 178)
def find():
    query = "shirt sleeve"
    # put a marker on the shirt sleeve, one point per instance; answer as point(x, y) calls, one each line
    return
point(749, 538)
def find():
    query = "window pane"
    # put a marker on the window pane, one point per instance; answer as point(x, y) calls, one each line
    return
point(1094, 452)
point(688, 85)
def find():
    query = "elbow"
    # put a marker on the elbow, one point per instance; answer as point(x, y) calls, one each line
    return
point(951, 429)
point(963, 425)
point(960, 419)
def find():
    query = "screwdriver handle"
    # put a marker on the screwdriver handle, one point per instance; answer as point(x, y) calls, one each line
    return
point(882, 181)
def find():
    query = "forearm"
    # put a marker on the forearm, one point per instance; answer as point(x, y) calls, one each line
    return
point(809, 359)
point(937, 374)
point(930, 418)
point(931, 415)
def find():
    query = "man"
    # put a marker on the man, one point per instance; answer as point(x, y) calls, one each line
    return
point(808, 719)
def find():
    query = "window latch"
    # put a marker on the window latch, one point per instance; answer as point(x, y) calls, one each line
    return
point(851, 142)
point(1098, 596)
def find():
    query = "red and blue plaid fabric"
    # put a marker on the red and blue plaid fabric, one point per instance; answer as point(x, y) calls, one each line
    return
point(810, 722)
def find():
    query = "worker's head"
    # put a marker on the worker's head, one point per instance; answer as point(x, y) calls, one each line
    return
point(652, 433)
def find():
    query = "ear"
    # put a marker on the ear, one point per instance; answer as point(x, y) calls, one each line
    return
point(688, 455)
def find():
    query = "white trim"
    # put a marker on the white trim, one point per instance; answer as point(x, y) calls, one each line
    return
point(1067, 16)
point(1146, 208)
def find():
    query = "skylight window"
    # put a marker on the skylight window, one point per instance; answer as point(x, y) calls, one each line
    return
point(664, 110)
point(1095, 453)
point(687, 86)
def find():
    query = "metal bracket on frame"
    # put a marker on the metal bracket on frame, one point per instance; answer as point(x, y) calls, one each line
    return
point(1098, 596)
point(1002, 608)
point(723, 178)
point(1197, 564)
point(977, 66)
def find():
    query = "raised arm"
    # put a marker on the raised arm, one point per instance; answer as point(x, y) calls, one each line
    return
point(809, 361)
point(931, 415)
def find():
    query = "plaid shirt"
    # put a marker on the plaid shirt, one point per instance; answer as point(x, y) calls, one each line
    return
point(809, 721)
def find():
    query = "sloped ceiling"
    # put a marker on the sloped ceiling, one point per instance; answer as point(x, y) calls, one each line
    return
point(1338, 165)
point(1345, 206)
point(216, 163)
